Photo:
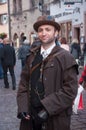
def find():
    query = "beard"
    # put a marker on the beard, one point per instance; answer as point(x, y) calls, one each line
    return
point(49, 41)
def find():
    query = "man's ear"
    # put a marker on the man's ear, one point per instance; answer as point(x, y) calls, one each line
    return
point(56, 33)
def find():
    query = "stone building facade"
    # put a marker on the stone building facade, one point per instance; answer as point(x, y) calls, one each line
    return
point(23, 13)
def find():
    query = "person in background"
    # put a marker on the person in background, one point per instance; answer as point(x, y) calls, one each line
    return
point(64, 44)
point(36, 42)
point(23, 52)
point(57, 41)
point(8, 63)
point(84, 53)
point(75, 50)
point(48, 83)
point(1, 56)
point(12, 43)
point(82, 79)
point(24, 38)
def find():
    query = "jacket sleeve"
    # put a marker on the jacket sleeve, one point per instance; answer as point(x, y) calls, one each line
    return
point(22, 94)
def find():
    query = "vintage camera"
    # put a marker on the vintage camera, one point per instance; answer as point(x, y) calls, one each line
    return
point(43, 115)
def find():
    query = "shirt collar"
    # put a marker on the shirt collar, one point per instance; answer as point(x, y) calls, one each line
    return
point(48, 51)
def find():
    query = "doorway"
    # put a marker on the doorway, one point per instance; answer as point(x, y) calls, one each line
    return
point(77, 33)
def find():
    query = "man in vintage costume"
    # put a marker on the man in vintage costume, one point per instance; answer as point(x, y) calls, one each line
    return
point(48, 83)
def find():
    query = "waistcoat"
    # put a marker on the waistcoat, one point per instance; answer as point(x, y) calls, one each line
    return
point(37, 88)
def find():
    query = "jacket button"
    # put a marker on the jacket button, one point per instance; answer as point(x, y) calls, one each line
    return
point(45, 79)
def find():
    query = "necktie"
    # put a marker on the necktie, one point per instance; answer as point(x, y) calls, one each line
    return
point(44, 54)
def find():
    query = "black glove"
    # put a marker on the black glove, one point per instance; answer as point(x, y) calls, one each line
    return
point(22, 115)
point(43, 115)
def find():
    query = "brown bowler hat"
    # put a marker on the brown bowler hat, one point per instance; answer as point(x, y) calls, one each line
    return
point(46, 19)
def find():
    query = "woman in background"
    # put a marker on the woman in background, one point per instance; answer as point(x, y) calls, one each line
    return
point(76, 50)
point(64, 43)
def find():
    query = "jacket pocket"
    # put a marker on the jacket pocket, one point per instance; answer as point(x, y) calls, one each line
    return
point(50, 64)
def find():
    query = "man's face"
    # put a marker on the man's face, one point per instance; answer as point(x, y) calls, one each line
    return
point(47, 34)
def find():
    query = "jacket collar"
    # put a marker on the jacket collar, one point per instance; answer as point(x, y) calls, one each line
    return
point(36, 49)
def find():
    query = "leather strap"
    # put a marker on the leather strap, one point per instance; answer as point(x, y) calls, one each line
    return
point(45, 60)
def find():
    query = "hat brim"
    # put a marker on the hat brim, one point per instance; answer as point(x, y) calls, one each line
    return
point(39, 23)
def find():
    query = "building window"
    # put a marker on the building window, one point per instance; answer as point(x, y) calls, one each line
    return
point(63, 28)
point(3, 19)
point(66, 31)
point(69, 32)
point(17, 6)
point(3, 1)
point(14, 6)
point(34, 3)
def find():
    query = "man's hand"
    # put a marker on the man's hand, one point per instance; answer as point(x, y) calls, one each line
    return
point(27, 117)
point(24, 115)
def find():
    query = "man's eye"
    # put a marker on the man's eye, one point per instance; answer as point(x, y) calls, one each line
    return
point(39, 30)
point(48, 29)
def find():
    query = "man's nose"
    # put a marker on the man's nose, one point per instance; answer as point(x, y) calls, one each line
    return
point(43, 32)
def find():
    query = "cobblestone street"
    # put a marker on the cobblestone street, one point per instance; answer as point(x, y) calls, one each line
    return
point(8, 106)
